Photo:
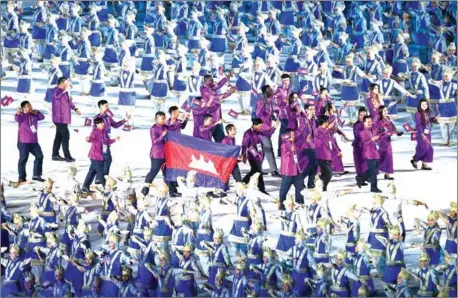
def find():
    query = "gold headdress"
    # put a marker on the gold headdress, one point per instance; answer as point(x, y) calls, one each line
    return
point(110, 181)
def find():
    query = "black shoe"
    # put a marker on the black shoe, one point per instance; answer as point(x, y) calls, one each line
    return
point(275, 174)
point(70, 159)
point(359, 182)
point(38, 178)
point(58, 158)
point(21, 180)
point(86, 190)
point(388, 178)
point(364, 184)
point(145, 190)
point(376, 190)
point(264, 192)
point(414, 164)
point(311, 186)
point(175, 195)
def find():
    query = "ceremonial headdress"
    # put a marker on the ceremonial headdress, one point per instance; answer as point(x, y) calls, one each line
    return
point(29, 276)
point(290, 199)
point(351, 211)
point(395, 230)
point(341, 255)
point(300, 235)
point(315, 195)
point(379, 199)
point(89, 254)
point(51, 237)
point(147, 232)
point(287, 280)
point(15, 249)
point(267, 252)
point(17, 219)
point(350, 57)
point(436, 54)
point(72, 170)
point(25, 25)
point(110, 181)
point(363, 291)
point(362, 244)
point(404, 274)
point(126, 270)
point(191, 176)
point(114, 238)
point(323, 222)
point(218, 234)
point(164, 254)
point(189, 247)
point(59, 269)
point(48, 182)
point(452, 46)
point(453, 207)
point(416, 61)
point(343, 35)
point(221, 11)
point(424, 257)
point(433, 215)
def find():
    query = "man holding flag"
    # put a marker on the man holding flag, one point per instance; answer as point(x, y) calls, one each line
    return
point(157, 154)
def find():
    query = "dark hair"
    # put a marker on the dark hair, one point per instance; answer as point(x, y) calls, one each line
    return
point(98, 120)
point(198, 97)
point(323, 89)
point(322, 119)
point(289, 130)
point(207, 116)
point(102, 102)
point(328, 106)
point(423, 114)
point(307, 106)
point(291, 97)
point(256, 121)
point(159, 114)
point(207, 77)
point(285, 76)
point(229, 127)
point(365, 118)
point(61, 80)
point(172, 109)
point(380, 111)
point(372, 86)
point(362, 109)
point(264, 89)
point(24, 103)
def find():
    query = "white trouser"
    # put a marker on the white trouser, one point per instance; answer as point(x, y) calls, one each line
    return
point(158, 105)
point(85, 85)
point(182, 98)
point(352, 111)
point(244, 101)
point(447, 131)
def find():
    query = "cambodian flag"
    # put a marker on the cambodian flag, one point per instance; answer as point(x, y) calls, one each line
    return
point(213, 162)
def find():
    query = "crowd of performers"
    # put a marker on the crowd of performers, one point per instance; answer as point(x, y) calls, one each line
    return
point(361, 50)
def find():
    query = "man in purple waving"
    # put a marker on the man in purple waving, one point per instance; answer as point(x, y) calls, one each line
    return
point(210, 96)
point(62, 106)
point(27, 119)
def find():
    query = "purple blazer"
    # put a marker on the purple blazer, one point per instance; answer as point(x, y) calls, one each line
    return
point(109, 122)
point(306, 129)
point(25, 121)
point(264, 111)
point(98, 138)
point(158, 143)
point(253, 138)
point(207, 92)
point(369, 148)
point(205, 132)
point(323, 143)
point(198, 119)
point(228, 140)
point(177, 126)
point(62, 106)
point(290, 165)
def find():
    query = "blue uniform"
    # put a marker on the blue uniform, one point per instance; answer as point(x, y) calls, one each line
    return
point(302, 262)
point(428, 282)
point(77, 252)
point(379, 226)
point(219, 41)
point(394, 260)
point(110, 57)
point(24, 84)
point(341, 277)
point(97, 81)
point(289, 226)
point(241, 222)
point(362, 268)
point(13, 272)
